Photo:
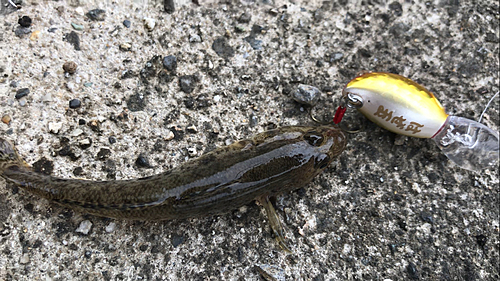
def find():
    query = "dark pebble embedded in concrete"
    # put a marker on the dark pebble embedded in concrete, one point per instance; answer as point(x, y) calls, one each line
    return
point(22, 31)
point(164, 77)
point(142, 162)
point(177, 240)
point(187, 83)
point(426, 217)
point(127, 23)
point(73, 39)
point(24, 21)
point(481, 240)
point(169, 6)
point(170, 62)
point(412, 271)
point(126, 74)
point(81, 122)
point(14, 84)
point(103, 154)
point(254, 43)
point(397, 8)
point(70, 67)
point(85, 143)
point(136, 102)
point(222, 48)
point(88, 254)
point(336, 57)
point(491, 37)
point(22, 93)
point(245, 18)
point(306, 94)
point(78, 171)
point(202, 101)
point(364, 53)
point(399, 29)
point(75, 103)
point(189, 102)
point(96, 14)
point(43, 166)
point(112, 140)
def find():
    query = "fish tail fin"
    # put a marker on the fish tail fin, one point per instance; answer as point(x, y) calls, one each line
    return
point(9, 156)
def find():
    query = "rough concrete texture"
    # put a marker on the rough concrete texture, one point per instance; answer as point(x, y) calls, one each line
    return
point(390, 208)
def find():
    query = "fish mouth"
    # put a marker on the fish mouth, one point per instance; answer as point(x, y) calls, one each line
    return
point(338, 141)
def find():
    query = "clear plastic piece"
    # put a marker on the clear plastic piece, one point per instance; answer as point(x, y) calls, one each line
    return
point(470, 144)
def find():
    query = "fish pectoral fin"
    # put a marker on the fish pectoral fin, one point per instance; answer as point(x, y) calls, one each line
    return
point(274, 222)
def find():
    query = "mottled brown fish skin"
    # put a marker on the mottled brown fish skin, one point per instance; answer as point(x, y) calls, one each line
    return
point(270, 163)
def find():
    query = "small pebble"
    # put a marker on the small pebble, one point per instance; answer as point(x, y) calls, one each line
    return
point(70, 67)
point(76, 132)
point(254, 43)
point(142, 162)
point(127, 23)
point(6, 119)
point(194, 38)
point(306, 94)
point(24, 259)
point(70, 86)
point(192, 151)
point(81, 122)
point(85, 143)
point(73, 39)
point(273, 12)
point(271, 272)
point(22, 93)
point(77, 26)
point(149, 23)
point(336, 57)
point(187, 83)
point(84, 227)
point(169, 136)
point(88, 254)
point(55, 127)
point(169, 5)
point(222, 48)
point(111, 227)
point(22, 31)
point(125, 47)
point(191, 129)
point(24, 21)
point(245, 18)
point(14, 84)
point(112, 140)
point(96, 14)
point(35, 35)
point(75, 103)
point(170, 62)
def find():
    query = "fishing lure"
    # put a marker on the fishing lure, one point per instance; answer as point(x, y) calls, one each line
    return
point(402, 106)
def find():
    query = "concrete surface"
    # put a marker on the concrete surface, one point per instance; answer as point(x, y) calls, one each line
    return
point(390, 208)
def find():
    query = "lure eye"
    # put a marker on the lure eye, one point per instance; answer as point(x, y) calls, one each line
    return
point(322, 161)
point(314, 138)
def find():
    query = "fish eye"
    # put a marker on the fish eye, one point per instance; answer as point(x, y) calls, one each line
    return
point(314, 138)
point(322, 161)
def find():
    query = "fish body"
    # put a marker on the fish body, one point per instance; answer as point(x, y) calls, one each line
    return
point(226, 178)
